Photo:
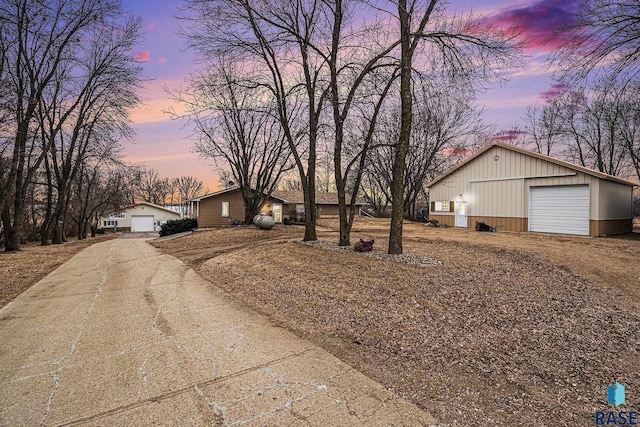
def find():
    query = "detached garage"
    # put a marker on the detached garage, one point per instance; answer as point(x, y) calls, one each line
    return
point(140, 217)
point(519, 190)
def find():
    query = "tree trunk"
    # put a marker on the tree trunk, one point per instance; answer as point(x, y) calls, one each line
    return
point(399, 164)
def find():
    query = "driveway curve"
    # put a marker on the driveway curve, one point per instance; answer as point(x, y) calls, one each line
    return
point(123, 334)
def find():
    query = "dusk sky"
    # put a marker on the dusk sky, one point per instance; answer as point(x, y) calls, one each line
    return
point(163, 144)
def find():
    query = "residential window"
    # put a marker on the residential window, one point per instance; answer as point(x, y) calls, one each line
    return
point(225, 209)
point(109, 223)
point(441, 206)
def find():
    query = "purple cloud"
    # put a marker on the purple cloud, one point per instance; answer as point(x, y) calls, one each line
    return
point(508, 135)
point(555, 91)
point(539, 23)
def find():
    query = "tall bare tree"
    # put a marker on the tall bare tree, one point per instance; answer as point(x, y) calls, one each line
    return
point(445, 123)
point(276, 38)
point(543, 127)
point(236, 129)
point(469, 51)
point(86, 112)
point(41, 41)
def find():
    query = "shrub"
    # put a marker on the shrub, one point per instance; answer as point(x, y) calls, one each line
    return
point(178, 226)
point(101, 231)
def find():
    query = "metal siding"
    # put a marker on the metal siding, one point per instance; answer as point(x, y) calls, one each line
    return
point(615, 202)
point(560, 209)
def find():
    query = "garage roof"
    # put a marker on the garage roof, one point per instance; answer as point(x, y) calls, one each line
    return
point(582, 169)
point(143, 203)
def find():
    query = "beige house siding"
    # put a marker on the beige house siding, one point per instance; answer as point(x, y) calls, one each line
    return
point(616, 201)
point(496, 186)
point(159, 214)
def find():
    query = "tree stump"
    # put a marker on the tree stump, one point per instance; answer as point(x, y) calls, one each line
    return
point(364, 245)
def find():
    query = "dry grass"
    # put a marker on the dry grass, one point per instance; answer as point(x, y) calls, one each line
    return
point(511, 329)
point(21, 270)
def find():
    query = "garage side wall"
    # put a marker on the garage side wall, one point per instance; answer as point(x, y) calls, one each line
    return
point(615, 209)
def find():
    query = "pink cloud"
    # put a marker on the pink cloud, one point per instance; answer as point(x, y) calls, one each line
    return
point(555, 91)
point(152, 25)
point(457, 152)
point(162, 60)
point(539, 23)
point(508, 135)
point(142, 56)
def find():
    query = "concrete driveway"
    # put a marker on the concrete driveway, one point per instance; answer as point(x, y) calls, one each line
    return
point(123, 334)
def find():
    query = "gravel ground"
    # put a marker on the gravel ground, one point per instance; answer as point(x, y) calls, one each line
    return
point(490, 336)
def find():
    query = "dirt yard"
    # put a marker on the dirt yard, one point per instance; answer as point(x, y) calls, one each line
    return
point(477, 328)
point(20, 270)
point(502, 329)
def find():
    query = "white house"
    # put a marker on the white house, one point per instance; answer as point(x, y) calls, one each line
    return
point(141, 216)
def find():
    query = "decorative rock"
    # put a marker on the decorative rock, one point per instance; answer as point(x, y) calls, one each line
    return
point(364, 245)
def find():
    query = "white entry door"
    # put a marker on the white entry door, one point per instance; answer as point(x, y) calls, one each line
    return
point(461, 214)
point(142, 223)
point(277, 213)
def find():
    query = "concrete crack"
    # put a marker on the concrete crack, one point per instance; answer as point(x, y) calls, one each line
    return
point(60, 362)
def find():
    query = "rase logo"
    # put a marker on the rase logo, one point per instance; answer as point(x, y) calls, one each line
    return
point(615, 396)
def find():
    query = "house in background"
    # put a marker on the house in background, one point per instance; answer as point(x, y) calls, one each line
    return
point(520, 190)
point(141, 216)
point(226, 207)
point(326, 203)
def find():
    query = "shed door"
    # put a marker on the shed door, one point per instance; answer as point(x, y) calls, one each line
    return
point(461, 214)
point(142, 223)
point(559, 209)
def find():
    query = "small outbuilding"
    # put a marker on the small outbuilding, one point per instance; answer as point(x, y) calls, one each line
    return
point(515, 189)
point(139, 217)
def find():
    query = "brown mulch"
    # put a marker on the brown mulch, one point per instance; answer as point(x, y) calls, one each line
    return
point(503, 332)
point(21, 270)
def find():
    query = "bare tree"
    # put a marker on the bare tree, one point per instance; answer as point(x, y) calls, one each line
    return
point(235, 129)
point(593, 124)
point(102, 185)
point(276, 38)
point(188, 187)
point(445, 123)
point(41, 40)
point(86, 112)
point(544, 128)
point(152, 188)
point(470, 53)
point(602, 41)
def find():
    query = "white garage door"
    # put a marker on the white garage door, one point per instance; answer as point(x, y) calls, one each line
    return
point(559, 209)
point(142, 223)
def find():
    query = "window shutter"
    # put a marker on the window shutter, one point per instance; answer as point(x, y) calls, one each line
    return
point(433, 206)
point(452, 206)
